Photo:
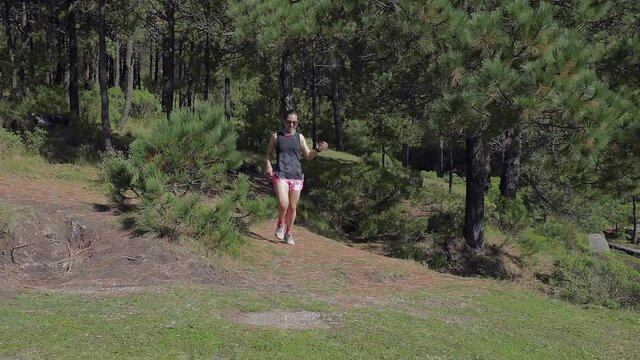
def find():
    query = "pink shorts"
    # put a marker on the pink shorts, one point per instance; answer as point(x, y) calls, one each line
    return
point(294, 184)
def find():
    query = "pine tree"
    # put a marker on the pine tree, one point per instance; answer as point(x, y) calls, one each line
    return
point(511, 68)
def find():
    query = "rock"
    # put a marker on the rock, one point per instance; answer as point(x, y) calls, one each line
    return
point(598, 243)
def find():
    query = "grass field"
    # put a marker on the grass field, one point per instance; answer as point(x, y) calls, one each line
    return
point(496, 323)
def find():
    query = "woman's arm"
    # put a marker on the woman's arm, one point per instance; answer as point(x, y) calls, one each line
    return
point(268, 170)
point(311, 154)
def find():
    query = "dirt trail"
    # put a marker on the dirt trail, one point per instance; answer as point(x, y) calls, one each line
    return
point(68, 238)
point(316, 262)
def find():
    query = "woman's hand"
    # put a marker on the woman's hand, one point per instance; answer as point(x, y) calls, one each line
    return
point(322, 146)
point(268, 171)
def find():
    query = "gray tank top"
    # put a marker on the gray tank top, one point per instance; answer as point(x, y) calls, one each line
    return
point(288, 156)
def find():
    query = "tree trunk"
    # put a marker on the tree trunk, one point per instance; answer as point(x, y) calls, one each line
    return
point(450, 168)
point(635, 239)
point(156, 68)
point(476, 158)
point(314, 106)
point(207, 69)
point(74, 103)
point(137, 82)
point(58, 78)
point(227, 98)
point(511, 164)
point(11, 47)
point(103, 78)
point(338, 112)
point(286, 76)
point(188, 74)
point(179, 80)
point(116, 66)
point(25, 50)
point(151, 49)
point(405, 154)
point(95, 67)
point(440, 170)
point(129, 89)
point(384, 155)
point(87, 69)
point(168, 58)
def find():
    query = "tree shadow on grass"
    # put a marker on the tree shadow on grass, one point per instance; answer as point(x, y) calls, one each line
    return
point(257, 236)
point(493, 262)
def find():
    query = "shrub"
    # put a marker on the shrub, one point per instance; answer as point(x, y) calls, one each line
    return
point(41, 100)
point(565, 233)
point(194, 150)
point(350, 197)
point(174, 167)
point(10, 144)
point(531, 243)
point(145, 105)
point(603, 281)
point(44, 100)
point(358, 136)
point(37, 142)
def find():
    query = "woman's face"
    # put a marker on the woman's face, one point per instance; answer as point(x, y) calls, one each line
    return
point(291, 122)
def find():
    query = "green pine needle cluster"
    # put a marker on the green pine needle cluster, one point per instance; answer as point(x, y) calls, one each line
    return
point(179, 177)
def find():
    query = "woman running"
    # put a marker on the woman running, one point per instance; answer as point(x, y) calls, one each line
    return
point(288, 178)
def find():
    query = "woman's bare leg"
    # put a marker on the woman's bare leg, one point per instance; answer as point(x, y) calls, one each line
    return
point(282, 194)
point(294, 197)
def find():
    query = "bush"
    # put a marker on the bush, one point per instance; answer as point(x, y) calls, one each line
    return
point(145, 105)
point(603, 281)
point(531, 243)
point(358, 136)
point(564, 233)
point(174, 168)
point(44, 100)
point(10, 144)
point(352, 197)
point(41, 100)
point(37, 142)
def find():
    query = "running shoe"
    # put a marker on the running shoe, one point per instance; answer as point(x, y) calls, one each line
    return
point(280, 231)
point(289, 239)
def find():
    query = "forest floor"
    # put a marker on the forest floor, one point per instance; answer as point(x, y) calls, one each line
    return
point(74, 283)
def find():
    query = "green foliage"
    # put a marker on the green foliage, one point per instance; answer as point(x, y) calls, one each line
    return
point(531, 242)
point(509, 215)
point(121, 176)
point(353, 198)
point(173, 169)
point(41, 100)
point(566, 233)
point(194, 149)
point(10, 144)
point(145, 105)
point(357, 136)
point(44, 100)
point(90, 104)
point(603, 281)
point(444, 212)
point(440, 217)
point(256, 111)
point(37, 142)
